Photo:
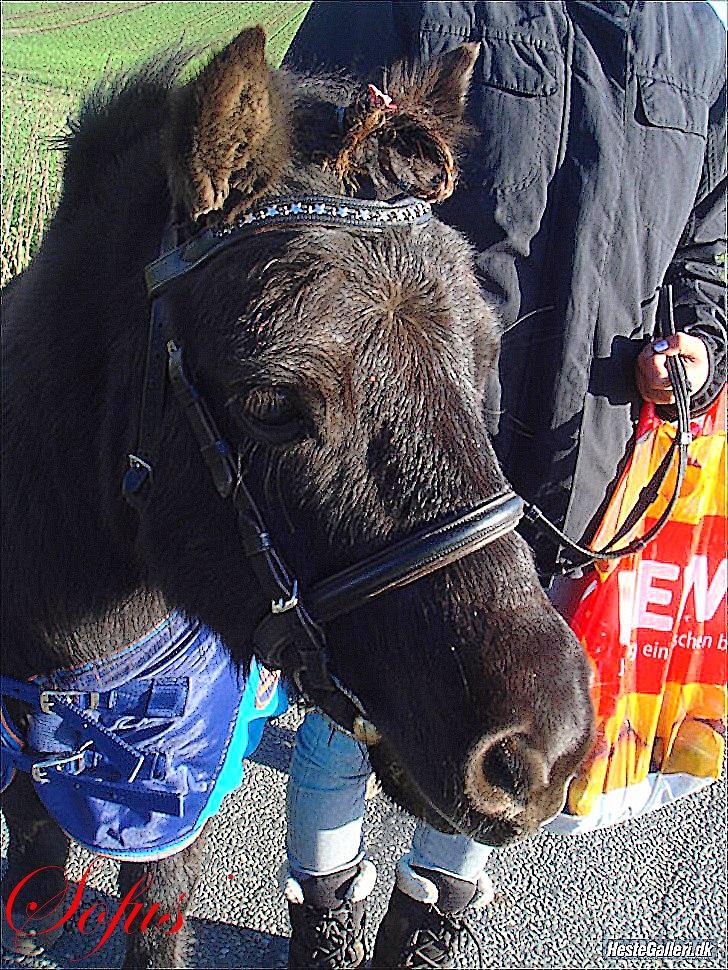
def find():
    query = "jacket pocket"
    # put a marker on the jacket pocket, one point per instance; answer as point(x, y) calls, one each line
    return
point(515, 105)
point(671, 126)
point(666, 105)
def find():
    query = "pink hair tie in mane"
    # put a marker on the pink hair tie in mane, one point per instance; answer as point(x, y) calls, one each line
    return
point(381, 100)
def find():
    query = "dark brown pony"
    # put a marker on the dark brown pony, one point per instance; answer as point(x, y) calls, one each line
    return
point(347, 369)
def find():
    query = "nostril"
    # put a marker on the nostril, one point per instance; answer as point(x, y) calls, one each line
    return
point(506, 775)
point(502, 768)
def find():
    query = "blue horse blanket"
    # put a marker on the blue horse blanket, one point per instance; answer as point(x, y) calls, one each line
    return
point(133, 754)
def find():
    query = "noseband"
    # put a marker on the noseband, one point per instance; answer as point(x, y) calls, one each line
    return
point(289, 635)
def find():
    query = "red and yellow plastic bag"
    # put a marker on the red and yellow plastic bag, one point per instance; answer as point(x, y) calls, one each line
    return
point(654, 627)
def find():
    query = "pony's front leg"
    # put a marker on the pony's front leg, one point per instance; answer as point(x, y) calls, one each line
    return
point(170, 883)
point(37, 846)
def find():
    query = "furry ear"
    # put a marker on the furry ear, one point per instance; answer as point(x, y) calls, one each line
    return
point(440, 87)
point(228, 130)
point(406, 136)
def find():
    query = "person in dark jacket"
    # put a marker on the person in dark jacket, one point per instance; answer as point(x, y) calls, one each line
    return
point(596, 176)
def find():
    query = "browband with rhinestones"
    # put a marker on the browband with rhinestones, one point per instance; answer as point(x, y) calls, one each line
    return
point(361, 214)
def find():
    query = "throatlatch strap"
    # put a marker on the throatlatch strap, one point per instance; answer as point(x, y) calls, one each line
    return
point(138, 476)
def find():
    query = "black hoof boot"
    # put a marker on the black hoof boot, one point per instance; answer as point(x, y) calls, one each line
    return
point(427, 931)
point(328, 916)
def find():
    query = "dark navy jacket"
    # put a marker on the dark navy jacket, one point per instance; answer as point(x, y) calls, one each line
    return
point(597, 173)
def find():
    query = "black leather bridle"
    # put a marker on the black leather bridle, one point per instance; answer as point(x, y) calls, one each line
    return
point(289, 635)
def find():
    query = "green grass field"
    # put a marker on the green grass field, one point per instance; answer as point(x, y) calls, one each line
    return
point(53, 52)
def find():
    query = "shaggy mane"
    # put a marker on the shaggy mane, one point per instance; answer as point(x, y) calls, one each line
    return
point(119, 113)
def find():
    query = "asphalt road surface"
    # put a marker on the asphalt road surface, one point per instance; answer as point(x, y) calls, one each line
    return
point(557, 899)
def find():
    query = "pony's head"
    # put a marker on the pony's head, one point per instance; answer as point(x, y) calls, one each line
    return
point(345, 369)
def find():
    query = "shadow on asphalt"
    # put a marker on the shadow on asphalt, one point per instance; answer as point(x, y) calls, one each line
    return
point(237, 946)
point(275, 748)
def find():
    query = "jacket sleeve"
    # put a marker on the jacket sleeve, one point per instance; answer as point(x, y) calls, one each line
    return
point(698, 268)
point(357, 36)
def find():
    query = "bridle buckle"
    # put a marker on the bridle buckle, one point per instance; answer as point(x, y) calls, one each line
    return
point(138, 464)
point(136, 477)
point(282, 605)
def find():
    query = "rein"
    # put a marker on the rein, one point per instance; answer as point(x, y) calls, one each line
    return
point(649, 492)
point(289, 634)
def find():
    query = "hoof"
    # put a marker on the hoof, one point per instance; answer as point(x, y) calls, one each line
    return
point(30, 943)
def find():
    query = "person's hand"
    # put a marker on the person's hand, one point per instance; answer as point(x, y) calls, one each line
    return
point(653, 382)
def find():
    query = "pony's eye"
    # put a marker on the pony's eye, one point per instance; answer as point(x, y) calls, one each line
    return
point(270, 405)
point(273, 414)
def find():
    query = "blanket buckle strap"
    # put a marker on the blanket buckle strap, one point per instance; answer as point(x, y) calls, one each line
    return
point(75, 760)
point(47, 698)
